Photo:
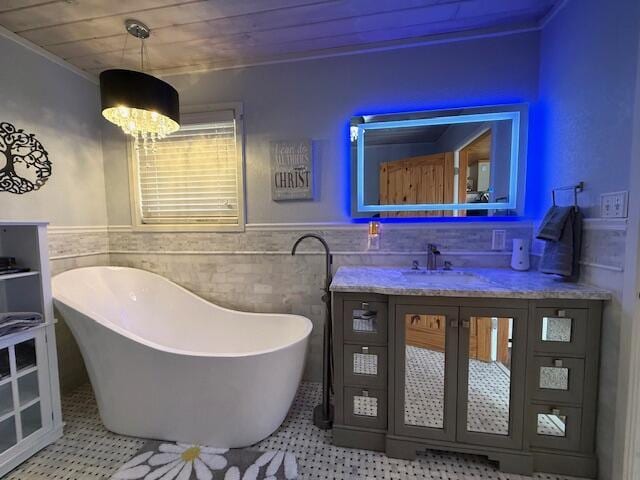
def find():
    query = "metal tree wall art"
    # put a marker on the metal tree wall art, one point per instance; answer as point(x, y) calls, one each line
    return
point(24, 163)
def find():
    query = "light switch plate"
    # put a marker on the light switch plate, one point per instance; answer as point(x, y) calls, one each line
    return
point(498, 239)
point(614, 204)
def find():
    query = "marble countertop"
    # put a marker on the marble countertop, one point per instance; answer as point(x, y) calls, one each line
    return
point(462, 282)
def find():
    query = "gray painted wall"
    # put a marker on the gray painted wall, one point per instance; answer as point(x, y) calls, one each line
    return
point(62, 109)
point(317, 99)
point(587, 73)
point(588, 66)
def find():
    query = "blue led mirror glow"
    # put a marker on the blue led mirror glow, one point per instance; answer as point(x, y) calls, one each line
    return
point(377, 124)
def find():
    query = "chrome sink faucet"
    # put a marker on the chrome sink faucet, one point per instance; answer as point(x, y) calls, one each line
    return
point(432, 256)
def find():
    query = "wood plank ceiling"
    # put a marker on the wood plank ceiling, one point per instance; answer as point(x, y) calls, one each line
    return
point(201, 34)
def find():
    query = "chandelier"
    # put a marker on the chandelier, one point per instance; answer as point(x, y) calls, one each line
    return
point(142, 105)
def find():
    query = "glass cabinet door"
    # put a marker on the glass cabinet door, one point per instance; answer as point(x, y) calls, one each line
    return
point(426, 366)
point(24, 405)
point(8, 435)
point(491, 375)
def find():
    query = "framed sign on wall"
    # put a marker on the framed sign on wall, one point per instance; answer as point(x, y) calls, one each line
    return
point(291, 170)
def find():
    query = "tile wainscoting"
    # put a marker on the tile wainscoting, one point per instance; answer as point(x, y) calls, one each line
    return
point(69, 248)
point(254, 270)
point(603, 252)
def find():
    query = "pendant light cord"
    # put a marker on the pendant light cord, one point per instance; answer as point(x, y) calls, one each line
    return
point(124, 48)
point(144, 55)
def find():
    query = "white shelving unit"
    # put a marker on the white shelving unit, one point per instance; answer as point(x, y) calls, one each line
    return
point(30, 415)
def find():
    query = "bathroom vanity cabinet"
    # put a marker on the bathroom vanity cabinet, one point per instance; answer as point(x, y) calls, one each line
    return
point(512, 377)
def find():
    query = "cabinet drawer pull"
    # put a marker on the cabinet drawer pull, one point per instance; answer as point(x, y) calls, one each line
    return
point(365, 393)
point(561, 313)
point(557, 363)
point(466, 324)
point(555, 411)
point(365, 306)
point(455, 323)
point(365, 349)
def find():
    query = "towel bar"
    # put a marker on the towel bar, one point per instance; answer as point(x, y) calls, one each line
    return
point(576, 189)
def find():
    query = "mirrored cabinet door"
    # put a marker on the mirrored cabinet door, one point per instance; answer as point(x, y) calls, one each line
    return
point(426, 365)
point(491, 386)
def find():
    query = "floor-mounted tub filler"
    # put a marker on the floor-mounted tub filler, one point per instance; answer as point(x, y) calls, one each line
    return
point(168, 365)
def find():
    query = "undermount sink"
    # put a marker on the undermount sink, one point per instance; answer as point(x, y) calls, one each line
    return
point(443, 277)
point(445, 273)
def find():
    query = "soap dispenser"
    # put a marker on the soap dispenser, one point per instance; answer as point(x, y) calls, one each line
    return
point(520, 255)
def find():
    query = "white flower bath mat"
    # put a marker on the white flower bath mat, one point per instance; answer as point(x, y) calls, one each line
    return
point(170, 461)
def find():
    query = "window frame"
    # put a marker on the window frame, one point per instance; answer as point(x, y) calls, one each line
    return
point(134, 194)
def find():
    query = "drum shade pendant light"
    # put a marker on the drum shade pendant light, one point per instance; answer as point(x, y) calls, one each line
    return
point(143, 106)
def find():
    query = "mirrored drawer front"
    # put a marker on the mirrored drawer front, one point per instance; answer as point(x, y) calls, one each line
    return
point(365, 407)
point(365, 322)
point(558, 379)
point(365, 365)
point(555, 427)
point(561, 330)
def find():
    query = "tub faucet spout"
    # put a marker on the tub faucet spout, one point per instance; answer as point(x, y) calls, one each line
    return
point(327, 255)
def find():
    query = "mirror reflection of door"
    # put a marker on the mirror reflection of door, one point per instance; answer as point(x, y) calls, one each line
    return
point(425, 365)
point(415, 180)
point(475, 173)
point(489, 382)
point(489, 377)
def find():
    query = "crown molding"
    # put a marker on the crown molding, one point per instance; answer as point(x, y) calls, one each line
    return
point(8, 34)
point(433, 39)
point(552, 13)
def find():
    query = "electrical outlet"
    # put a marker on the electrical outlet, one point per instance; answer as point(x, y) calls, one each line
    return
point(614, 204)
point(498, 239)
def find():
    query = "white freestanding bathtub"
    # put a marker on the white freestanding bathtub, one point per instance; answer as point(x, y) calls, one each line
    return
point(168, 365)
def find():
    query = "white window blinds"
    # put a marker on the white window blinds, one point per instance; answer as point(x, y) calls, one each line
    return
point(192, 176)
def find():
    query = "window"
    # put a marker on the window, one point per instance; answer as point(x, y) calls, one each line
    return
point(192, 180)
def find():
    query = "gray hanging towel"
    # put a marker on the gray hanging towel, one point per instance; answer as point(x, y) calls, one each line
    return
point(15, 321)
point(553, 223)
point(561, 256)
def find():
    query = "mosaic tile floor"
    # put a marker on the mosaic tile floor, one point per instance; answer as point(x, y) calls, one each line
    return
point(89, 452)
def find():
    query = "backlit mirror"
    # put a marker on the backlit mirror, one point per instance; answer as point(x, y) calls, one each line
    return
point(459, 163)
